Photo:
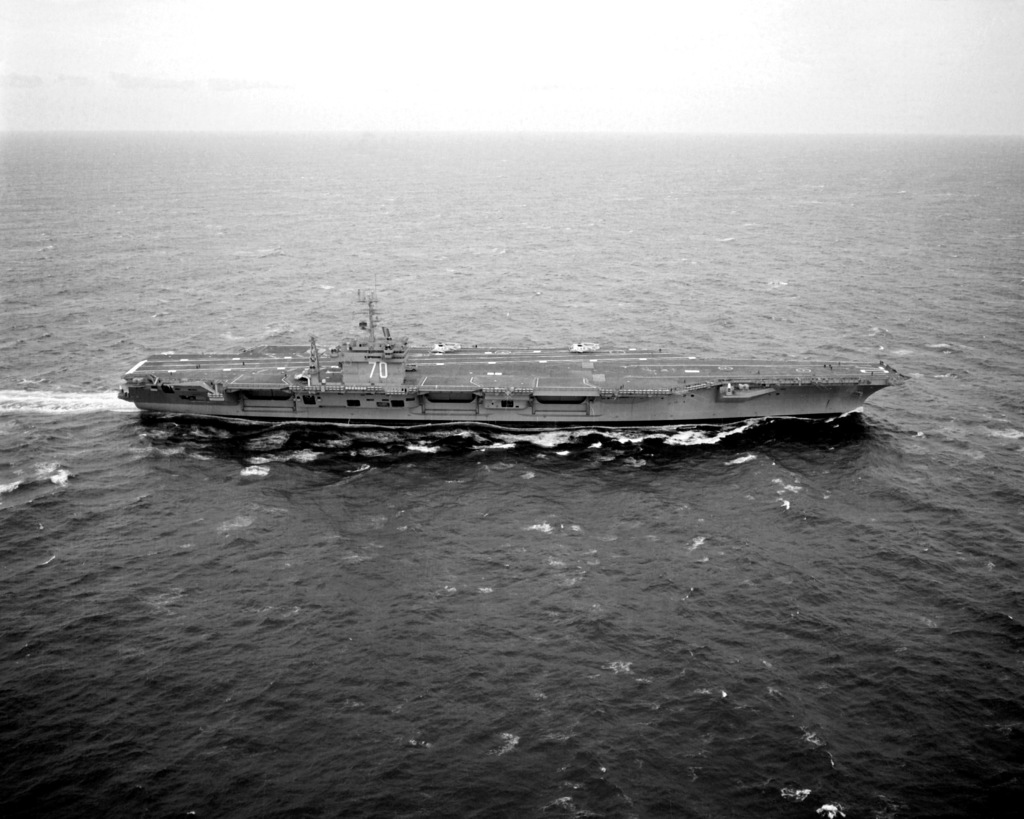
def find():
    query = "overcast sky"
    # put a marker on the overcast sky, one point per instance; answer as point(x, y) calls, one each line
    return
point(722, 66)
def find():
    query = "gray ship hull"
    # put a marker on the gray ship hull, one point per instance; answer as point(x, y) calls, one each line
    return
point(501, 387)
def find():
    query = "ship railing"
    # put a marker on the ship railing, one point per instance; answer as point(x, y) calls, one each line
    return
point(639, 392)
point(784, 381)
point(506, 390)
point(302, 388)
point(384, 389)
point(748, 384)
point(801, 381)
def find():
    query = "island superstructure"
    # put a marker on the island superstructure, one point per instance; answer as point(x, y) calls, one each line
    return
point(374, 378)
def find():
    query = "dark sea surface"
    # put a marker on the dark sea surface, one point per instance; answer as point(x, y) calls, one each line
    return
point(770, 619)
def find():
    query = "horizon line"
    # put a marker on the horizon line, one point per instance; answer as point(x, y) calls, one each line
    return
point(373, 132)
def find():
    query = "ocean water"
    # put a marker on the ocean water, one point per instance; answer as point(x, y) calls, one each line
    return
point(773, 619)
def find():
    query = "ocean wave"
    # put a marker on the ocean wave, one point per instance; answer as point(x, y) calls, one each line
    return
point(38, 476)
point(742, 459)
point(1010, 434)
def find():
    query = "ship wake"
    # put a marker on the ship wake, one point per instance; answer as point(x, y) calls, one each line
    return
point(45, 402)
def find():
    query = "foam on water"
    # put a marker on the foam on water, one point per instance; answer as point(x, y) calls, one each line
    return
point(742, 459)
point(677, 436)
point(39, 474)
point(270, 441)
point(54, 402)
point(509, 743)
point(1011, 434)
point(237, 522)
point(424, 448)
point(708, 437)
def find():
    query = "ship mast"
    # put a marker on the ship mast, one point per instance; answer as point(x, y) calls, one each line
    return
point(369, 298)
point(314, 362)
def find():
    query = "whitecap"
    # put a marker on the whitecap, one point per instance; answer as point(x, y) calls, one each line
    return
point(620, 667)
point(1012, 434)
point(742, 459)
point(702, 437)
point(239, 522)
point(540, 527)
point(60, 477)
point(697, 543)
point(786, 487)
point(273, 440)
point(163, 602)
point(52, 472)
point(422, 448)
point(255, 471)
point(813, 739)
point(549, 440)
point(796, 794)
point(510, 741)
point(830, 811)
point(635, 438)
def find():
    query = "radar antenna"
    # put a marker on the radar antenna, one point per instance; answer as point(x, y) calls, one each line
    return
point(369, 298)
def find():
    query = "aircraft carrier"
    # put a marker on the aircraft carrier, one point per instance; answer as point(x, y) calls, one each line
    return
point(375, 379)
